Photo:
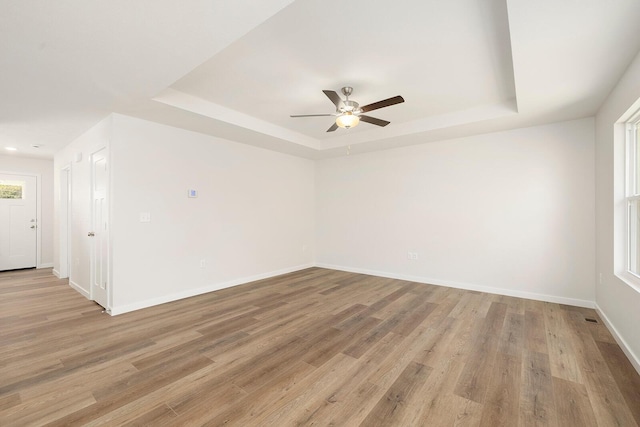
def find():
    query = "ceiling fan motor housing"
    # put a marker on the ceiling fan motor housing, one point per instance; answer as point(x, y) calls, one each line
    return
point(347, 105)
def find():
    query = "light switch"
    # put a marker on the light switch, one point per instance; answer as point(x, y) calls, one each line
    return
point(145, 217)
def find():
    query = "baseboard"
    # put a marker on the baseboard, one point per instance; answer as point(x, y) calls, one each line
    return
point(56, 273)
point(633, 358)
point(45, 265)
point(78, 288)
point(202, 290)
point(466, 286)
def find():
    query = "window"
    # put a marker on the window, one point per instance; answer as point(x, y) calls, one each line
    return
point(11, 189)
point(633, 194)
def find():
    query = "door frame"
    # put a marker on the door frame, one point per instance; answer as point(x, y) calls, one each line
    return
point(38, 213)
point(64, 224)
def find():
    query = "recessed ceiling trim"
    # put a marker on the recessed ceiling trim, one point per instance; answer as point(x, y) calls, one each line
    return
point(203, 107)
point(442, 121)
point(194, 104)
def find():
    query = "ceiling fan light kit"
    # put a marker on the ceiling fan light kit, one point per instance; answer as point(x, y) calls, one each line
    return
point(347, 120)
point(349, 113)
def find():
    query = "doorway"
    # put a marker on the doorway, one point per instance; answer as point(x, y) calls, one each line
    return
point(18, 221)
point(100, 231)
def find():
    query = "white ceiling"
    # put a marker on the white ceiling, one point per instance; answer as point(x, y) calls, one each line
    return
point(238, 69)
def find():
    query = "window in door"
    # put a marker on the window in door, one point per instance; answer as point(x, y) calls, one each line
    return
point(11, 189)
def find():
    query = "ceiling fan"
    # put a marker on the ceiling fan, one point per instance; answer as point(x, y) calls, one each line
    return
point(349, 113)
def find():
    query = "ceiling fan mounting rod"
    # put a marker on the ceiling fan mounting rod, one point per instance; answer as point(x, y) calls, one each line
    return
point(347, 106)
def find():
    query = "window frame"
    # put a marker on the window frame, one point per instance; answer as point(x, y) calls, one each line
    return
point(632, 194)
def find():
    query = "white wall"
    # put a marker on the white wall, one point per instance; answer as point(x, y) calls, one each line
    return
point(252, 217)
point(509, 212)
point(79, 250)
point(44, 169)
point(617, 301)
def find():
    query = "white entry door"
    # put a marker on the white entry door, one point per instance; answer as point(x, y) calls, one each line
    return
point(99, 234)
point(18, 226)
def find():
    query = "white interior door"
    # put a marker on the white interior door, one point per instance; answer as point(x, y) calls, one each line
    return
point(99, 234)
point(18, 226)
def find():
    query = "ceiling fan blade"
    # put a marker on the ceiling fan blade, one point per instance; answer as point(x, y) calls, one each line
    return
point(374, 121)
point(381, 104)
point(334, 97)
point(332, 128)
point(311, 115)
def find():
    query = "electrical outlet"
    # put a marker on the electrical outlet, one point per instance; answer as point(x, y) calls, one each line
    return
point(412, 255)
point(203, 263)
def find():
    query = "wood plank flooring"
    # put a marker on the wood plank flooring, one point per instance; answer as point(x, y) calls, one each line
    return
point(315, 347)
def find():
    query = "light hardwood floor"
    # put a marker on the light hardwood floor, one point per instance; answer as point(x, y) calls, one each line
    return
point(315, 347)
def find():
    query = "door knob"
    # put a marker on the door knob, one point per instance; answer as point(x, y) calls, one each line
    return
point(91, 234)
point(33, 226)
